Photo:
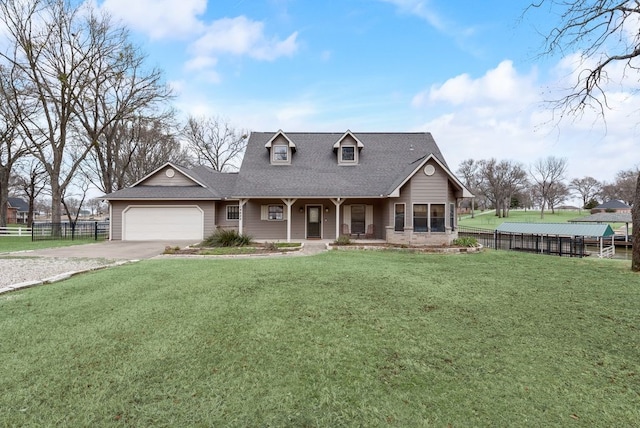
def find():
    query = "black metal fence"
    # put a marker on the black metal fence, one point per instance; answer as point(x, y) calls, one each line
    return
point(85, 230)
point(566, 246)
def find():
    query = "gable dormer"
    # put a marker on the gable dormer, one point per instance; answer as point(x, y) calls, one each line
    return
point(281, 149)
point(347, 149)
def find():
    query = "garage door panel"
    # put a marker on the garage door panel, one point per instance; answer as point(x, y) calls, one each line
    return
point(162, 223)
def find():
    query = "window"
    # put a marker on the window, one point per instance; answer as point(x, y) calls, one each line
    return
point(420, 218)
point(437, 217)
point(399, 222)
point(357, 219)
point(348, 154)
point(276, 212)
point(233, 212)
point(452, 211)
point(280, 153)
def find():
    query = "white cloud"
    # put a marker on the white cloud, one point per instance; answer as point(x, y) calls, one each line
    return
point(421, 9)
point(501, 84)
point(242, 36)
point(501, 114)
point(159, 18)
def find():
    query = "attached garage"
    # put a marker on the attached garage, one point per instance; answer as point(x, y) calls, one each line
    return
point(154, 223)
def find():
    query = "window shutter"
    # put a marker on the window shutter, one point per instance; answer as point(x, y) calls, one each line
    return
point(368, 215)
point(285, 210)
point(346, 215)
point(264, 212)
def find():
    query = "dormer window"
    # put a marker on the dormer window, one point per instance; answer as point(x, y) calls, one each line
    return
point(348, 149)
point(280, 153)
point(348, 154)
point(280, 148)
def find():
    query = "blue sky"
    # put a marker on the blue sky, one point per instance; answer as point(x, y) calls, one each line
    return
point(466, 71)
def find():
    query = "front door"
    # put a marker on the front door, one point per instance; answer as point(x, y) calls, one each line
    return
point(314, 219)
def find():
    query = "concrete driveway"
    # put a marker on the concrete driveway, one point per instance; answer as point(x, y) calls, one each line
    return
point(112, 250)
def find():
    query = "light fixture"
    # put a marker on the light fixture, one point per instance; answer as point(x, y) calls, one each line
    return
point(326, 210)
point(301, 210)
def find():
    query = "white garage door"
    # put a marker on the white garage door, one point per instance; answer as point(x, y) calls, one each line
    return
point(162, 223)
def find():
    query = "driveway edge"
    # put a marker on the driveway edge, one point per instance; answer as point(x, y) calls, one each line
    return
point(60, 277)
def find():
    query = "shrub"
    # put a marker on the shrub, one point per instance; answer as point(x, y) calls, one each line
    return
point(271, 246)
point(466, 241)
point(227, 238)
point(343, 240)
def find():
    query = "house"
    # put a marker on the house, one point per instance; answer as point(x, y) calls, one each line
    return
point(612, 206)
point(17, 210)
point(395, 187)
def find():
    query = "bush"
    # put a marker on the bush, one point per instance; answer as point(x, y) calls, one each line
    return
point(343, 240)
point(227, 238)
point(466, 241)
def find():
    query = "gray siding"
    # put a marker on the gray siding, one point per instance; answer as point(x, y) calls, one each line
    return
point(117, 208)
point(430, 189)
point(160, 179)
point(221, 216)
point(277, 230)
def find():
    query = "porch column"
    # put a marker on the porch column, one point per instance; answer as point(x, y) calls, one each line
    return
point(337, 202)
point(289, 203)
point(241, 203)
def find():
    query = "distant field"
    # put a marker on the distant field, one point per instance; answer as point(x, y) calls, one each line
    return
point(488, 220)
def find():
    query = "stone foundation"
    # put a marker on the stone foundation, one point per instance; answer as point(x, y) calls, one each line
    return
point(411, 238)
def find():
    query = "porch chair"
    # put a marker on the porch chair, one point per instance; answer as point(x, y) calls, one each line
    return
point(371, 232)
point(345, 230)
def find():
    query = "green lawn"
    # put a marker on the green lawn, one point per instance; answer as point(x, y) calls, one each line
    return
point(339, 339)
point(23, 243)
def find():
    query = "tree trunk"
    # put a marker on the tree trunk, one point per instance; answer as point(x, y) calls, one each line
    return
point(4, 195)
point(56, 209)
point(635, 217)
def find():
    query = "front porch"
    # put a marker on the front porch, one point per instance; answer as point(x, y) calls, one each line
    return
point(296, 219)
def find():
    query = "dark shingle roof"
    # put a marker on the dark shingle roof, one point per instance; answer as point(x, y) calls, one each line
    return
point(559, 229)
point(385, 161)
point(163, 192)
point(218, 185)
point(613, 204)
point(19, 203)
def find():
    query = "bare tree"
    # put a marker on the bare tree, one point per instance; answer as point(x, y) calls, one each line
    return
point(32, 181)
point(546, 174)
point(12, 147)
point(556, 195)
point(622, 188)
point(150, 145)
point(468, 169)
point(214, 142)
point(587, 187)
point(48, 46)
point(499, 181)
point(605, 34)
point(120, 96)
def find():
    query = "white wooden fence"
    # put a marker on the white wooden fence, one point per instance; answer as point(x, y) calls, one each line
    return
point(15, 231)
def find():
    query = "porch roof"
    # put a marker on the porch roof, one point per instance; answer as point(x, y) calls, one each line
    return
point(557, 229)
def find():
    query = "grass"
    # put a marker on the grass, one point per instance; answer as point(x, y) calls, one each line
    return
point(339, 339)
point(23, 243)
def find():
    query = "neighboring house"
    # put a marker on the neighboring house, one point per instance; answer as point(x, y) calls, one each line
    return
point(612, 206)
point(301, 185)
point(17, 211)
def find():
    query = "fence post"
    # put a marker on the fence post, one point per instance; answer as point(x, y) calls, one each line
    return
point(95, 230)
